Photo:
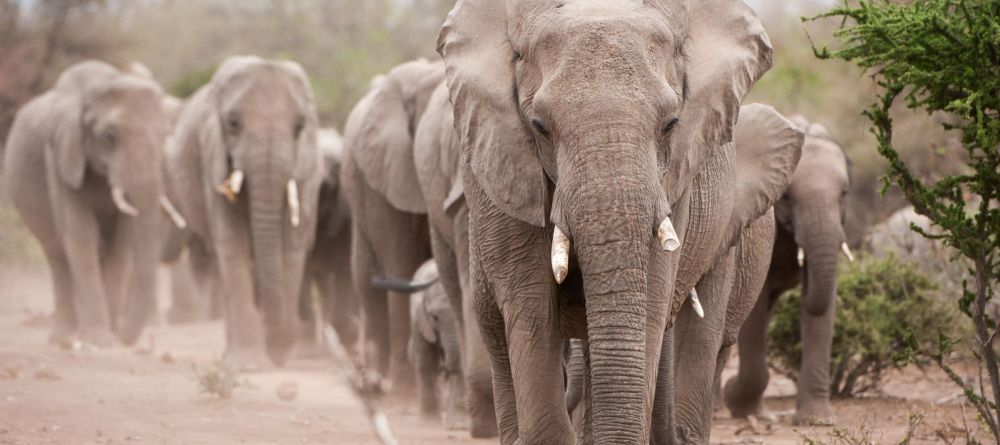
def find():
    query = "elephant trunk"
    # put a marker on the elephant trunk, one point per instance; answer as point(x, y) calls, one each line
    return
point(820, 235)
point(449, 337)
point(142, 186)
point(267, 189)
point(612, 227)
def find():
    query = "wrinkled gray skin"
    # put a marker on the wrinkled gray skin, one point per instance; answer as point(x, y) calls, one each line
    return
point(258, 117)
point(389, 223)
point(436, 151)
point(589, 144)
point(702, 344)
point(434, 349)
point(96, 129)
point(810, 216)
point(329, 266)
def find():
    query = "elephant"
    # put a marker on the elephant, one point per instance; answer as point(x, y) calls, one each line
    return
point(82, 168)
point(389, 234)
point(810, 237)
point(434, 347)
point(436, 152)
point(245, 168)
point(597, 136)
point(329, 260)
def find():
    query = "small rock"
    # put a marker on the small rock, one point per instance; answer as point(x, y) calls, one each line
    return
point(287, 390)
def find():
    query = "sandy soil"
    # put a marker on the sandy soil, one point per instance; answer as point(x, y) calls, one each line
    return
point(149, 394)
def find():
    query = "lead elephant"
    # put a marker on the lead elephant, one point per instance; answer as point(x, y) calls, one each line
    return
point(389, 232)
point(82, 167)
point(244, 166)
point(602, 186)
point(436, 151)
point(810, 238)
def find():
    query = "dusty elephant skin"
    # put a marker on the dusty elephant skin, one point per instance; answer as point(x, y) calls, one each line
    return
point(244, 166)
point(82, 167)
point(436, 151)
point(329, 261)
point(810, 238)
point(389, 232)
point(598, 175)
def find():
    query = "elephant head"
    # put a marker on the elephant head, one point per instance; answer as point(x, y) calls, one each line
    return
point(109, 124)
point(262, 133)
point(385, 122)
point(813, 210)
point(593, 118)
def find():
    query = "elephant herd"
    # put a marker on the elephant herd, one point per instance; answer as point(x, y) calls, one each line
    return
point(568, 220)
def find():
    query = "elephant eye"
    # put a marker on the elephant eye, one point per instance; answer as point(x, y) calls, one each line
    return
point(109, 136)
point(233, 124)
point(300, 125)
point(669, 126)
point(539, 126)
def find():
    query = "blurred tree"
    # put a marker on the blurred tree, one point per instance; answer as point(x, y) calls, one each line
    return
point(942, 56)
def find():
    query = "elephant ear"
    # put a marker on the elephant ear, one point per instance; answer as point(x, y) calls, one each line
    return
point(66, 139)
point(727, 50)
point(768, 148)
point(480, 74)
point(386, 157)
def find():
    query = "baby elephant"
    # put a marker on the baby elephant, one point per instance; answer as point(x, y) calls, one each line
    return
point(433, 348)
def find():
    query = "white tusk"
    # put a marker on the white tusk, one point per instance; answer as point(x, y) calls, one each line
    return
point(121, 202)
point(801, 257)
point(175, 216)
point(560, 255)
point(696, 303)
point(293, 202)
point(232, 185)
point(668, 236)
point(847, 251)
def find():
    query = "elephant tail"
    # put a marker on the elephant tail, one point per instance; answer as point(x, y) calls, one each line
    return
point(399, 285)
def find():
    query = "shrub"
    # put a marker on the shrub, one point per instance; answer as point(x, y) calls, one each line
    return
point(883, 305)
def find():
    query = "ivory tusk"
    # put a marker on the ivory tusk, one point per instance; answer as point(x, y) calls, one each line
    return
point(668, 236)
point(696, 303)
point(293, 201)
point(801, 256)
point(121, 202)
point(847, 251)
point(232, 185)
point(175, 216)
point(560, 255)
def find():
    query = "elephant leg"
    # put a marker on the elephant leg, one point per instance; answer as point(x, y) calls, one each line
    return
point(476, 361)
point(374, 305)
point(744, 392)
point(307, 344)
point(812, 403)
point(581, 415)
point(89, 297)
point(64, 323)
point(340, 304)
point(663, 428)
point(426, 359)
point(114, 268)
point(448, 270)
point(720, 366)
point(244, 337)
point(491, 326)
point(187, 304)
point(698, 341)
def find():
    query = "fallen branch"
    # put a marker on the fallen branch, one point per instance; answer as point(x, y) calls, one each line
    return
point(366, 386)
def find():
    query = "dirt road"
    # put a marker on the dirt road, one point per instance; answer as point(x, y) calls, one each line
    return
point(149, 394)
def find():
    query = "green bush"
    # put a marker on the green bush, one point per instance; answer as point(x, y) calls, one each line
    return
point(883, 306)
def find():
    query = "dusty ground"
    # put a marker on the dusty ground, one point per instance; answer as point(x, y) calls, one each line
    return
point(149, 394)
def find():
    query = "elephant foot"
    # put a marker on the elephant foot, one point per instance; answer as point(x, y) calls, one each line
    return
point(309, 348)
point(814, 413)
point(456, 422)
point(742, 402)
point(62, 335)
point(279, 345)
point(246, 359)
point(97, 337)
point(481, 428)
